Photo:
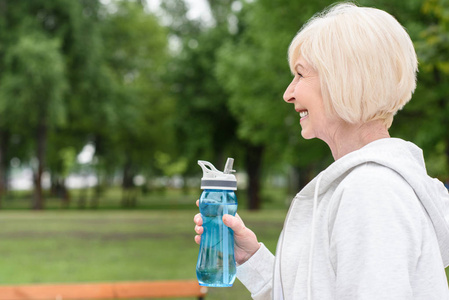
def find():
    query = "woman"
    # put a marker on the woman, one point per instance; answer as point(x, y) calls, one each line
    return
point(373, 225)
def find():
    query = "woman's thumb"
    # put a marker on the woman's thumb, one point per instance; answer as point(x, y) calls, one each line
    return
point(234, 223)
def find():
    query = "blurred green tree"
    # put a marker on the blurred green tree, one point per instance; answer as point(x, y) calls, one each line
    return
point(69, 45)
point(430, 108)
point(135, 59)
point(98, 68)
point(33, 87)
point(205, 129)
point(88, 109)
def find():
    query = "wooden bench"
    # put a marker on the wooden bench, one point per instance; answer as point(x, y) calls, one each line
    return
point(112, 290)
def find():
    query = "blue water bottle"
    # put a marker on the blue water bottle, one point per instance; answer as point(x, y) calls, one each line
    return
point(216, 263)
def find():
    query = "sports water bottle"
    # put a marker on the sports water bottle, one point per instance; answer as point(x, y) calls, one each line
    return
point(216, 263)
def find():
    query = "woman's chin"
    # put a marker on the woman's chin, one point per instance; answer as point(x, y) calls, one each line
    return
point(307, 135)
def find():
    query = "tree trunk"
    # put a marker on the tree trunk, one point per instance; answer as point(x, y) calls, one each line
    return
point(59, 189)
point(254, 156)
point(97, 192)
point(128, 193)
point(65, 194)
point(38, 198)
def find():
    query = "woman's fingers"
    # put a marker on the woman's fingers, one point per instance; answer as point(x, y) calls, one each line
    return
point(199, 229)
point(198, 220)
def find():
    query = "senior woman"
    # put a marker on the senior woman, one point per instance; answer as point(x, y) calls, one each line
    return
point(373, 225)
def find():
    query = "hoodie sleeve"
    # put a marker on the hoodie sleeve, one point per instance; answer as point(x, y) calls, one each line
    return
point(375, 235)
point(256, 273)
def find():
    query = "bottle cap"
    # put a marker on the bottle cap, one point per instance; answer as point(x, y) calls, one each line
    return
point(214, 179)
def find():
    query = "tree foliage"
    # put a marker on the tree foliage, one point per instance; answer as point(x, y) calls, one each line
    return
point(135, 60)
point(153, 93)
point(77, 72)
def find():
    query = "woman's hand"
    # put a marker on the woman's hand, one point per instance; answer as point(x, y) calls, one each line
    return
point(245, 241)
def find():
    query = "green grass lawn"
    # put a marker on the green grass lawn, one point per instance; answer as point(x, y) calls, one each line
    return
point(96, 246)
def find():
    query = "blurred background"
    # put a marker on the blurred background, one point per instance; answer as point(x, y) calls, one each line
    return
point(106, 106)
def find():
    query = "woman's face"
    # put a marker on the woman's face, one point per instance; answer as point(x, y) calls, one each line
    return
point(304, 92)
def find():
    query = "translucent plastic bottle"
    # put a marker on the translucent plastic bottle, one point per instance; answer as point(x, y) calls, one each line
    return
point(216, 263)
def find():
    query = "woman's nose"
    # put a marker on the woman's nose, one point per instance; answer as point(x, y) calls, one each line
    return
point(288, 94)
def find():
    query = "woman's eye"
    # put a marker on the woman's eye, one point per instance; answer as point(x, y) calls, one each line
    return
point(299, 74)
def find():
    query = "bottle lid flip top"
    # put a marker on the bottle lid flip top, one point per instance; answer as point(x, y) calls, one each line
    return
point(214, 179)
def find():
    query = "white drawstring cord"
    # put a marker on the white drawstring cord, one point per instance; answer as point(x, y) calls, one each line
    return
point(312, 238)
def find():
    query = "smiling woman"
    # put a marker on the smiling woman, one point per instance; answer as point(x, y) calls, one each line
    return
point(333, 58)
point(346, 61)
point(373, 225)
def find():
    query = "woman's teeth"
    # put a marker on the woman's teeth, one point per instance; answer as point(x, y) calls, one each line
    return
point(304, 113)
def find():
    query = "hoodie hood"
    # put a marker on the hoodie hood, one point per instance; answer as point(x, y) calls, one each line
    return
point(407, 160)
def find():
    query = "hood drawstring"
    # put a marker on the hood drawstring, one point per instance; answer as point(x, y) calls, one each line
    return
point(312, 237)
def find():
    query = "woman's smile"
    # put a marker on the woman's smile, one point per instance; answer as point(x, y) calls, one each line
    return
point(303, 114)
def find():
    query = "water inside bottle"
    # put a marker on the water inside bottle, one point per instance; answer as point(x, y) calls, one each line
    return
point(211, 270)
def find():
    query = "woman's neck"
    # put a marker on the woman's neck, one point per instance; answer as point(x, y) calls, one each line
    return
point(350, 137)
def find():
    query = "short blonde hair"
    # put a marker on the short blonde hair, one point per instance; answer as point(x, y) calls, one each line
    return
point(365, 60)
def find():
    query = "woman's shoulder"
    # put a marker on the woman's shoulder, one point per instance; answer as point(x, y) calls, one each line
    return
point(373, 193)
point(371, 174)
point(376, 185)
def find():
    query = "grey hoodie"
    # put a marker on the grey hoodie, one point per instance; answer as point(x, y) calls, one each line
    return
point(373, 225)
